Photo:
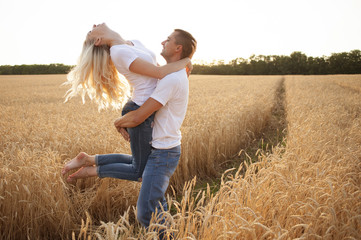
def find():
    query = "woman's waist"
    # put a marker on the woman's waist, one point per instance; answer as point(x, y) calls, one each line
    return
point(142, 94)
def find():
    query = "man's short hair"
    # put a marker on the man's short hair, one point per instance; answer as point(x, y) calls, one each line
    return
point(188, 42)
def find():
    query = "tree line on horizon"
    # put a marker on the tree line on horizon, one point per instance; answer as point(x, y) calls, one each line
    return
point(54, 68)
point(296, 63)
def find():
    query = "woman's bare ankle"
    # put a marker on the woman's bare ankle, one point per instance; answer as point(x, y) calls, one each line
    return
point(89, 160)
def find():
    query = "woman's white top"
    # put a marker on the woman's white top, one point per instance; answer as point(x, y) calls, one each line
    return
point(122, 57)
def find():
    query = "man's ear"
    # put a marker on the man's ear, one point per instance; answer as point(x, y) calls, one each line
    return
point(98, 41)
point(179, 48)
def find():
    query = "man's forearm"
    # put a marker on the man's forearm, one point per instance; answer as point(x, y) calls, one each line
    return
point(134, 118)
point(129, 120)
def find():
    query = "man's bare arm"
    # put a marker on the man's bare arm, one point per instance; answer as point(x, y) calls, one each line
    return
point(134, 118)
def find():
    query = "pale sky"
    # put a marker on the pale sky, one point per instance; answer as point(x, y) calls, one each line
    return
point(49, 31)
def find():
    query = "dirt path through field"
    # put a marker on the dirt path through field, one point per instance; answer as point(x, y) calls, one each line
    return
point(272, 135)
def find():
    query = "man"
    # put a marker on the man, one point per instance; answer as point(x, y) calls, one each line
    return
point(170, 100)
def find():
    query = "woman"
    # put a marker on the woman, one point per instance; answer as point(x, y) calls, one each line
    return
point(104, 54)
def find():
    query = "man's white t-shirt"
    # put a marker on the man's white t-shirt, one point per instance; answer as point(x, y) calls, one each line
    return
point(122, 56)
point(172, 92)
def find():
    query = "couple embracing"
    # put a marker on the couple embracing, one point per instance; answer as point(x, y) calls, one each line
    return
point(151, 118)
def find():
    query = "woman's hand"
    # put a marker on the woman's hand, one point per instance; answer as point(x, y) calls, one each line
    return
point(189, 68)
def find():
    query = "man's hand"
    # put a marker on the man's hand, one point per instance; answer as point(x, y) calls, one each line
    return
point(117, 122)
point(122, 130)
point(124, 133)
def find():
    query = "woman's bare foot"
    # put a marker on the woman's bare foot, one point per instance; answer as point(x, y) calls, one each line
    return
point(81, 160)
point(83, 172)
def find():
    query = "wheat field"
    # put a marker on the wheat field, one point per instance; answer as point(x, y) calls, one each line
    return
point(307, 187)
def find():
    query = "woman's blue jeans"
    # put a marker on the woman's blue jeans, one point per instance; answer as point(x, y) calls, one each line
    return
point(160, 167)
point(124, 166)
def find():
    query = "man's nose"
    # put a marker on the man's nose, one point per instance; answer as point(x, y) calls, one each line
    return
point(163, 42)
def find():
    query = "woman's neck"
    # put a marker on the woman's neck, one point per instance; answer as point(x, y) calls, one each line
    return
point(114, 38)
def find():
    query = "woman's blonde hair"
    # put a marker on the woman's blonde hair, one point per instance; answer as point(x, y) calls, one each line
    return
point(96, 76)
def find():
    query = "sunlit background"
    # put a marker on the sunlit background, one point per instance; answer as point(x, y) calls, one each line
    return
point(47, 31)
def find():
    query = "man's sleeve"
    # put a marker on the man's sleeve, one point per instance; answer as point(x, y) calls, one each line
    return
point(123, 56)
point(165, 89)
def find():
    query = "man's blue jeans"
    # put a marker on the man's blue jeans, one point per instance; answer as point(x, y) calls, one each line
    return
point(124, 166)
point(160, 167)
